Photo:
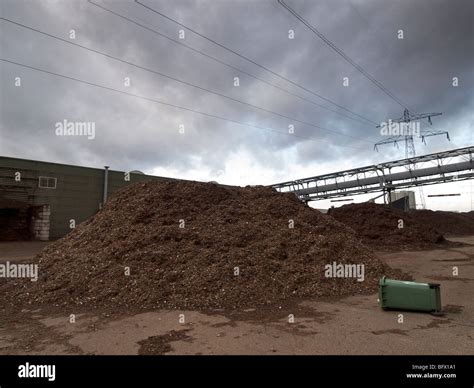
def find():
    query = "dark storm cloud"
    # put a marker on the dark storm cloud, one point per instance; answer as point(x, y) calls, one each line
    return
point(134, 133)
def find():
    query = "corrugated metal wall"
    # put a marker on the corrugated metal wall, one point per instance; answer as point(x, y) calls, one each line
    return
point(78, 193)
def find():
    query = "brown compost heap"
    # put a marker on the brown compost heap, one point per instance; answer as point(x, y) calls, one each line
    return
point(378, 226)
point(448, 223)
point(180, 244)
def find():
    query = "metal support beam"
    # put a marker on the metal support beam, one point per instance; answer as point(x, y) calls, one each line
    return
point(386, 177)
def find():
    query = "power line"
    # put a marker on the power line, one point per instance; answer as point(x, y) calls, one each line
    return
point(227, 64)
point(354, 8)
point(167, 103)
point(344, 55)
point(177, 79)
point(408, 112)
point(254, 62)
point(362, 17)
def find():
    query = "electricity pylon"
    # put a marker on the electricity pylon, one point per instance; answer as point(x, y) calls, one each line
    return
point(407, 137)
point(406, 134)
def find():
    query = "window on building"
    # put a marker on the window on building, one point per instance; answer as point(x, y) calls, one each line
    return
point(47, 182)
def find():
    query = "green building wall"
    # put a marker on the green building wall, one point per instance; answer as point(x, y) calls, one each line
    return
point(78, 194)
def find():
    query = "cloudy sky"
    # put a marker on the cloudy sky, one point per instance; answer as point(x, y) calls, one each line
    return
point(249, 142)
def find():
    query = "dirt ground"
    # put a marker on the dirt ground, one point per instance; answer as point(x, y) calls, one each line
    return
point(353, 325)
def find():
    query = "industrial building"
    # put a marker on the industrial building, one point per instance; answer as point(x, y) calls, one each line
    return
point(43, 200)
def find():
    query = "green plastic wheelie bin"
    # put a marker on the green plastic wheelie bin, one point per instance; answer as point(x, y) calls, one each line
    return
point(402, 295)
